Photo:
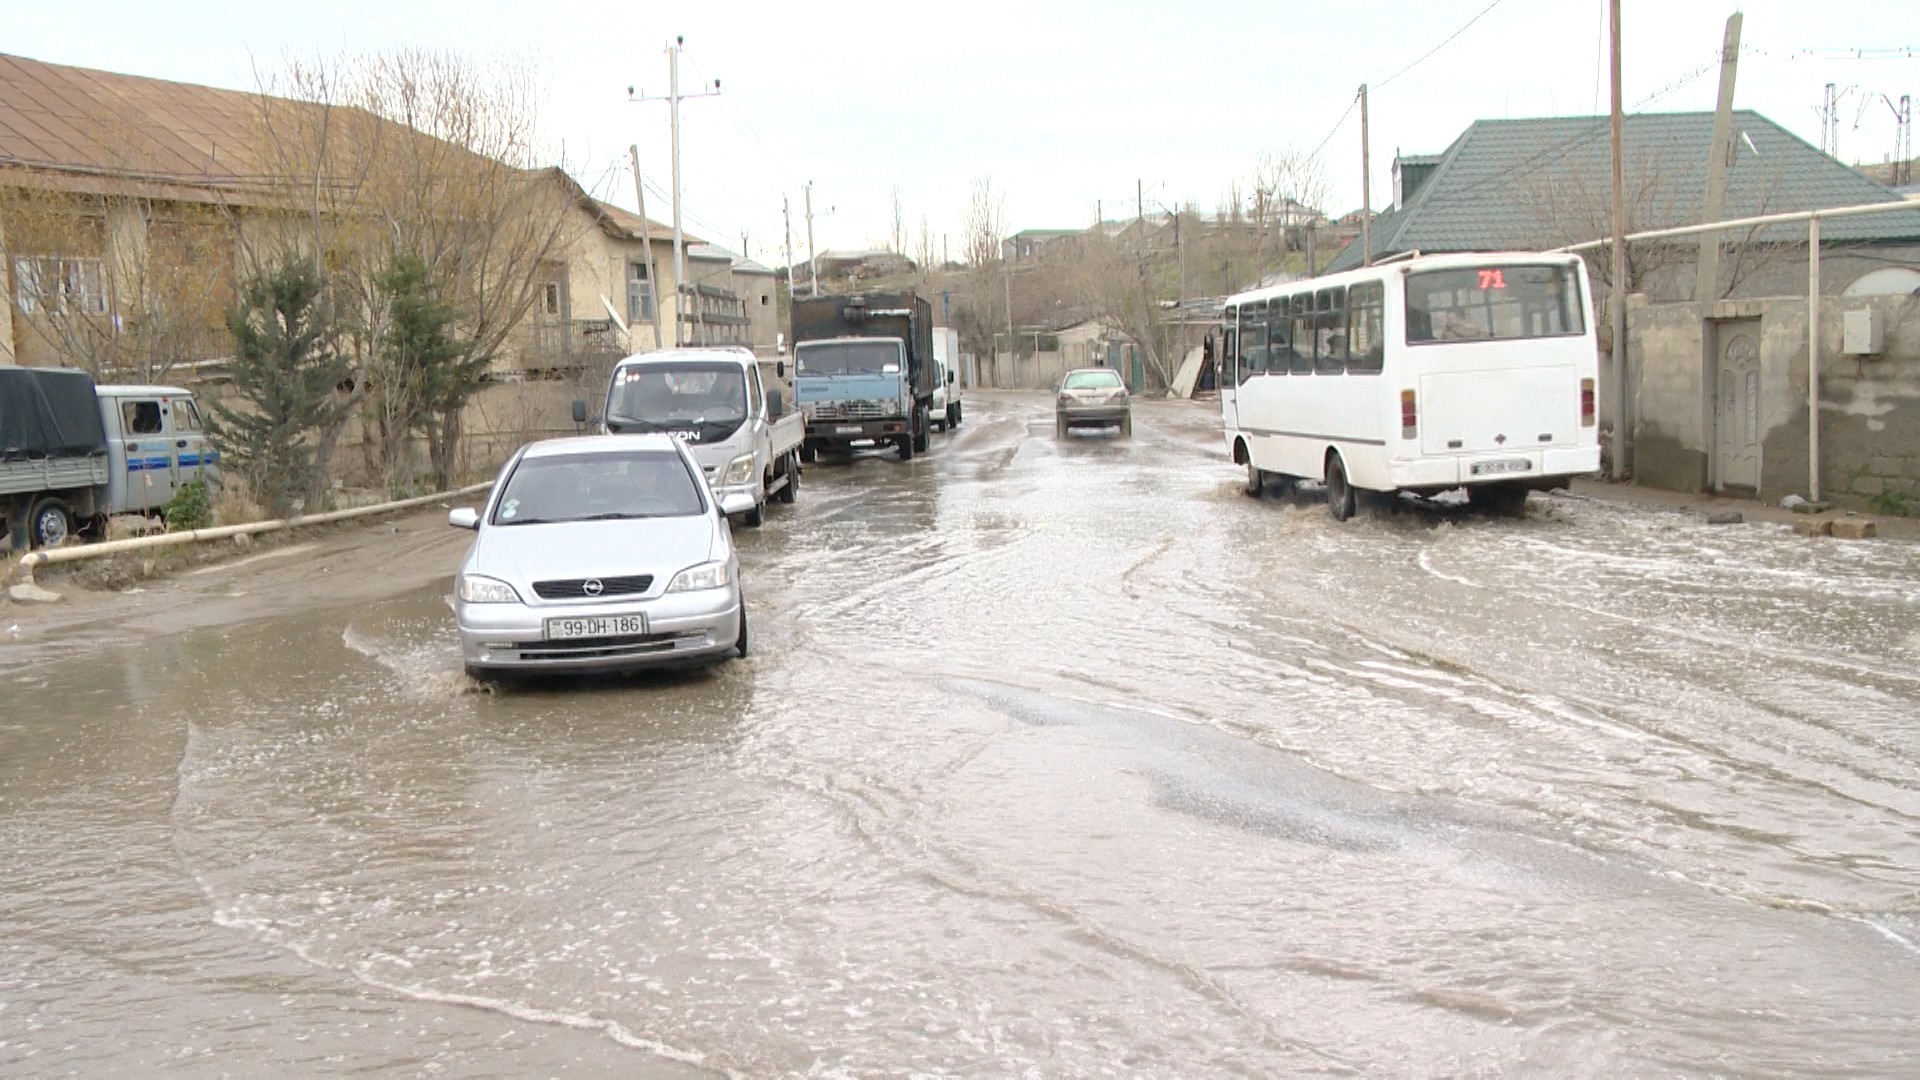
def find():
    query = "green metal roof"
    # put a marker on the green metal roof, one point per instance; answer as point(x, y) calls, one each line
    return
point(1540, 183)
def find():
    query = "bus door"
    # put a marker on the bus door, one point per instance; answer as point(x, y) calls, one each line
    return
point(1227, 371)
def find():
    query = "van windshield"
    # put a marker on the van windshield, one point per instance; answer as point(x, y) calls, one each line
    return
point(1493, 303)
point(849, 358)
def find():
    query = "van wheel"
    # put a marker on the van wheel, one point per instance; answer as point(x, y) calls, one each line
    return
point(49, 523)
point(753, 518)
point(740, 642)
point(1256, 483)
point(1340, 496)
point(955, 420)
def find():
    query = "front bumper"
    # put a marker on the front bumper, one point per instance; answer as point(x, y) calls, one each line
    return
point(681, 628)
point(851, 430)
point(737, 499)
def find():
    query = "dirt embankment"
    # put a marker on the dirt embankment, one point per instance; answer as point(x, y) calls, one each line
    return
point(114, 600)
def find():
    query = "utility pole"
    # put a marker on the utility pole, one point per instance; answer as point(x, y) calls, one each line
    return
point(813, 271)
point(1622, 441)
point(1830, 122)
point(1006, 268)
point(673, 98)
point(646, 240)
point(1706, 277)
point(786, 217)
point(1902, 140)
point(1366, 184)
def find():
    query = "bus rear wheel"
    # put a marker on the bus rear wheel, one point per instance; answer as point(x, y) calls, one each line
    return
point(1340, 495)
point(1256, 483)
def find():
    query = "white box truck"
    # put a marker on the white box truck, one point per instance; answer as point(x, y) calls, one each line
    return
point(946, 397)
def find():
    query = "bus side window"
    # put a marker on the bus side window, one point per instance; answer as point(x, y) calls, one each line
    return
point(1242, 348)
point(1280, 339)
point(1255, 319)
point(1366, 352)
point(1330, 332)
point(1301, 355)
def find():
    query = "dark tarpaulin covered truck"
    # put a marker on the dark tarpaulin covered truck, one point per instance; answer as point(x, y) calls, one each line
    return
point(53, 452)
point(854, 388)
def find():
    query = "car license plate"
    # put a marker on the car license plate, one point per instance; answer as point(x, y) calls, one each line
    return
point(847, 429)
point(1496, 468)
point(596, 626)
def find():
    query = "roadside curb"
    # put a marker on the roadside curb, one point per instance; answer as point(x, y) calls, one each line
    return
point(21, 586)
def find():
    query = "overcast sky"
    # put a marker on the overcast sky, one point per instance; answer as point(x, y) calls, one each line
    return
point(1064, 105)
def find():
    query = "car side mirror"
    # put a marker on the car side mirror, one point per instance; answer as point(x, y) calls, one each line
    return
point(776, 404)
point(949, 378)
point(465, 517)
point(579, 411)
point(779, 369)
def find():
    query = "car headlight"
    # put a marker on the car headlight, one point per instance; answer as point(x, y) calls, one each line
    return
point(737, 470)
point(712, 575)
point(475, 589)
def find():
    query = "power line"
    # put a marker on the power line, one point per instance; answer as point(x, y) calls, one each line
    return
point(1335, 130)
point(1382, 85)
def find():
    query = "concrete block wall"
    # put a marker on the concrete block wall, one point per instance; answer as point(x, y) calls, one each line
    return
point(1869, 406)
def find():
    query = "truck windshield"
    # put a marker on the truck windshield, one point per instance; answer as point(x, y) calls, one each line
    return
point(849, 358)
point(659, 396)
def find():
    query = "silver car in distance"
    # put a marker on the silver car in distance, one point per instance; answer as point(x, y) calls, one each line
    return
point(597, 554)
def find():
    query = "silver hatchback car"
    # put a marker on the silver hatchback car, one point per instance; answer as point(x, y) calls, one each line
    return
point(1093, 397)
point(595, 554)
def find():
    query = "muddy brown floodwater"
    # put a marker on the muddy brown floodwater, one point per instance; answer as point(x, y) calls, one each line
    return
point(1055, 759)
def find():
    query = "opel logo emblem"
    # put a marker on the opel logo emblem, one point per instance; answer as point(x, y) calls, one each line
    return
point(592, 587)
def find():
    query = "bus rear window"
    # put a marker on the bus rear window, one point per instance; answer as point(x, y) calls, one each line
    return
point(1493, 303)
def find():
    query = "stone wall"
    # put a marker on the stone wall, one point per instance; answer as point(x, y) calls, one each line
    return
point(1869, 406)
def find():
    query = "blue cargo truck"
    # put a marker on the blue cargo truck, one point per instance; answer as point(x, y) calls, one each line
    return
point(864, 373)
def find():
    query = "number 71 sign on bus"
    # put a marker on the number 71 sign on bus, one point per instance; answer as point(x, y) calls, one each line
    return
point(1492, 279)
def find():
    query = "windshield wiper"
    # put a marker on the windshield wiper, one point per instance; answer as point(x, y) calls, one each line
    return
point(612, 516)
point(526, 521)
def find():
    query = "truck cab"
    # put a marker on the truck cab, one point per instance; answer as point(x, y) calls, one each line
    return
point(729, 410)
point(863, 372)
point(156, 445)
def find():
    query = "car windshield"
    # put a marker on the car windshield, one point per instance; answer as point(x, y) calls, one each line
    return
point(1093, 380)
point(598, 487)
point(1493, 303)
point(849, 358)
point(687, 393)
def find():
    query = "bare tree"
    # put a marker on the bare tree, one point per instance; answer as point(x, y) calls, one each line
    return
point(924, 248)
point(897, 237)
point(429, 155)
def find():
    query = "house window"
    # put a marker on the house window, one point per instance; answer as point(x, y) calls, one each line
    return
point(550, 299)
point(58, 285)
point(639, 293)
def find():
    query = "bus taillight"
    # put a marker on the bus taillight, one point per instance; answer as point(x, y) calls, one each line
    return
point(1586, 402)
point(1409, 415)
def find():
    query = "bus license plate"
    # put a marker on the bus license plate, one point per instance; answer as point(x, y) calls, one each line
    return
point(847, 429)
point(596, 626)
point(1497, 468)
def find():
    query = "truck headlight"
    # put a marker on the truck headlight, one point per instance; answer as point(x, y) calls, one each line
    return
point(891, 408)
point(737, 471)
point(713, 575)
point(475, 589)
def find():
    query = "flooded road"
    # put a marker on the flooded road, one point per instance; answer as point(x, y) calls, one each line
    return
point(1054, 759)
